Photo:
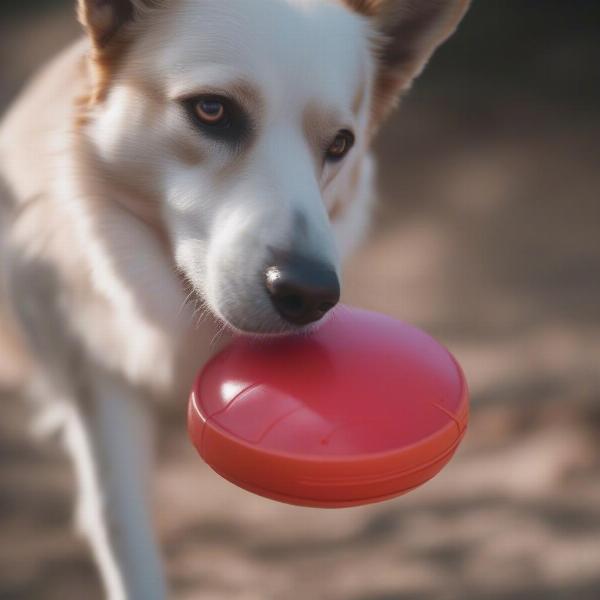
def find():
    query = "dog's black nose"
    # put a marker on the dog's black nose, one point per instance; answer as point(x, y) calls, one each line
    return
point(302, 290)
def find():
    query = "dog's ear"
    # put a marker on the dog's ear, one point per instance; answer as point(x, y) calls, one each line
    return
point(107, 23)
point(103, 19)
point(408, 32)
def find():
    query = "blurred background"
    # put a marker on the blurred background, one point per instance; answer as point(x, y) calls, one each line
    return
point(488, 236)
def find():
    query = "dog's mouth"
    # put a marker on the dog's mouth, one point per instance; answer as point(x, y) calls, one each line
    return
point(256, 322)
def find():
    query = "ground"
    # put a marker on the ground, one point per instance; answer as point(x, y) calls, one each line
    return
point(487, 237)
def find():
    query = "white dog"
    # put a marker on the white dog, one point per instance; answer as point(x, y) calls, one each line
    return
point(187, 154)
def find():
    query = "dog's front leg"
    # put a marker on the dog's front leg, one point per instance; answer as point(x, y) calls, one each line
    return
point(108, 437)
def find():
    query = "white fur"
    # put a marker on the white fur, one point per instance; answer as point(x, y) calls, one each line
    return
point(298, 53)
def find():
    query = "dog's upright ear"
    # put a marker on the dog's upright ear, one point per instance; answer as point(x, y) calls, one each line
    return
point(106, 23)
point(103, 19)
point(408, 32)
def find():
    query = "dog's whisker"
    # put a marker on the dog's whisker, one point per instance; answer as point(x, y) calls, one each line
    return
point(219, 333)
point(202, 313)
point(185, 302)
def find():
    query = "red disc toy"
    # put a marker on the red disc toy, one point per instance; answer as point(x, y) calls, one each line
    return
point(364, 409)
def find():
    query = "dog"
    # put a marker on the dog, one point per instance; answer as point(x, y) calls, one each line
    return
point(188, 170)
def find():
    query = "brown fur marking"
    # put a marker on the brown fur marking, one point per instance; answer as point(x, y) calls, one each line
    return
point(341, 203)
point(110, 29)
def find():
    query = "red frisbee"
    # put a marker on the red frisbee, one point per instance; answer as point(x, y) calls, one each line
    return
point(364, 409)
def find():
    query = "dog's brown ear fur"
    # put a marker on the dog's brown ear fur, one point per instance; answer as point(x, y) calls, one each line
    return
point(106, 23)
point(409, 31)
point(103, 19)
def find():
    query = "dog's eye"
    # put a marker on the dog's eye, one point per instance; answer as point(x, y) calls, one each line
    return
point(340, 146)
point(211, 111)
point(219, 117)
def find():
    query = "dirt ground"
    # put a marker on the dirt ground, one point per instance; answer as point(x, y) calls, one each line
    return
point(487, 236)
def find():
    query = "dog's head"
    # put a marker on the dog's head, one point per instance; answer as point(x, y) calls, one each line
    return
point(244, 123)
